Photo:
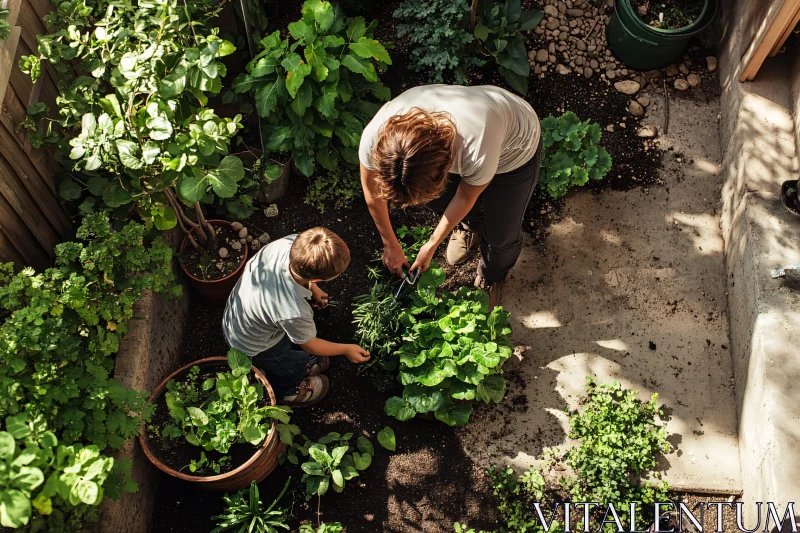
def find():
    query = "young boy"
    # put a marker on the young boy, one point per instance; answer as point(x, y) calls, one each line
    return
point(269, 318)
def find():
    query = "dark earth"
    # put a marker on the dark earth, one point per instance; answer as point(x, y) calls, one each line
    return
point(429, 482)
point(676, 13)
point(204, 263)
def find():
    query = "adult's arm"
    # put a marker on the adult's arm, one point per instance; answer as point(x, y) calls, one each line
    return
point(393, 256)
point(464, 199)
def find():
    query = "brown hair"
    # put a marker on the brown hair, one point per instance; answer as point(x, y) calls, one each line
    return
point(318, 253)
point(412, 156)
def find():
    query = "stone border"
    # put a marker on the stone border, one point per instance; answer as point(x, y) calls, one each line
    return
point(759, 152)
point(149, 352)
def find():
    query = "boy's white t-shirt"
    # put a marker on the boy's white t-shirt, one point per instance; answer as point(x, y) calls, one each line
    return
point(267, 303)
point(497, 131)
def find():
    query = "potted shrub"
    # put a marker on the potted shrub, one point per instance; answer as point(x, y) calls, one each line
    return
point(650, 34)
point(140, 139)
point(216, 423)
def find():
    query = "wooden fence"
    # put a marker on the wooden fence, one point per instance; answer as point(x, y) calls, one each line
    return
point(32, 217)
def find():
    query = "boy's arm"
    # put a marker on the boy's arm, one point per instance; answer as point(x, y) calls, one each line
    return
point(323, 348)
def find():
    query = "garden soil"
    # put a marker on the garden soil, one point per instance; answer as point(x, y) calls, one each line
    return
point(436, 476)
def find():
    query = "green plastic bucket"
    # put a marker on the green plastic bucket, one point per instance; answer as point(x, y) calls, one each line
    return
point(643, 47)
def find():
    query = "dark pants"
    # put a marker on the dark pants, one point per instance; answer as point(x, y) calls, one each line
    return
point(285, 365)
point(498, 215)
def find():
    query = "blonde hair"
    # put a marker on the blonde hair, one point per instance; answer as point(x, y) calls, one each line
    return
point(412, 156)
point(318, 253)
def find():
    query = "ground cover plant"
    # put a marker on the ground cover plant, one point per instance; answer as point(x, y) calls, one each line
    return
point(244, 513)
point(453, 352)
point(215, 412)
point(60, 331)
point(316, 89)
point(572, 155)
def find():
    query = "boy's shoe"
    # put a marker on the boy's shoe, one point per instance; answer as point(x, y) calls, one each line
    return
point(495, 290)
point(309, 392)
point(321, 367)
point(462, 245)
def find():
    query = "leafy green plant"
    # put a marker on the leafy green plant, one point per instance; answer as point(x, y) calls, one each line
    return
point(499, 30)
point(336, 527)
point(5, 28)
point(64, 325)
point(45, 485)
point(223, 410)
point(437, 30)
point(454, 350)
point(318, 88)
point(244, 513)
point(619, 443)
point(136, 127)
point(387, 439)
point(341, 185)
point(572, 154)
point(331, 468)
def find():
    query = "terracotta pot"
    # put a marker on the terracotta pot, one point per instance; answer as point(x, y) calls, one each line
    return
point(258, 467)
point(215, 291)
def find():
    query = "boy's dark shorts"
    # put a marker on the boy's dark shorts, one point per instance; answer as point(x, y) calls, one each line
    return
point(285, 365)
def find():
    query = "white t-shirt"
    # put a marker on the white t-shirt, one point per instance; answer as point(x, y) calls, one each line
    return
point(497, 131)
point(267, 303)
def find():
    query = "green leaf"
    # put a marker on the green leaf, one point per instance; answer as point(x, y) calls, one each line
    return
point(27, 478)
point(325, 103)
point(7, 445)
point(365, 446)
point(338, 478)
point(69, 190)
point(423, 399)
point(18, 426)
point(296, 72)
point(238, 362)
point(164, 218)
point(267, 99)
point(362, 461)
point(97, 185)
point(481, 32)
point(324, 15)
point(517, 82)
point(304, 162)
point(370, 48)
point(313, 468)
point(316, 57)
point(225, 178)
point(491, 389)
point(199, 416)
point(86, 491)
point(454, 415)
point(279, 137)
point(530, 18)
point(172, 85)
point(303, 100)
point(193, 189)
point(462, 391)
point(360, 65)
point(129, 154)
point(356, 29)
point(387, 439)
point(302, 32)
point(160, 128)
point(15, 508)
point(399, 408)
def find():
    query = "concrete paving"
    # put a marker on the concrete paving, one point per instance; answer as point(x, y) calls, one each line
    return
point(629, 286)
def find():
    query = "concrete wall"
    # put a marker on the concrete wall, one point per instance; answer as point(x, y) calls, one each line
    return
point(758, 139)
point(147, 355)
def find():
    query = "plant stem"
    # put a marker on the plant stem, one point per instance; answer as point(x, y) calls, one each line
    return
point(319, 501)
point(204, 225)
point(183, 220)
point(473, 10)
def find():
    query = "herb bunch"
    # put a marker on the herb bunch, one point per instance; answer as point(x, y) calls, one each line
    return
point(244, 513)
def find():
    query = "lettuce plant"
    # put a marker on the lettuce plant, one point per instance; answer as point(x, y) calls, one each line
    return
point(318, 88)
point(572, 155)
point(223, 410)
point(331, 467)
point(453, 353)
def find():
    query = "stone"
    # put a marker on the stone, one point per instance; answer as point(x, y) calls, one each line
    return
point(573, 23)
point(220, 265)
point(551, 48)
point(552, 24)
point(541, 56)
point(255, 245)
point(552, 58)
point(562, 7)
point(587, 72)
point(243, 240)
point(580, 61)
point(550, 11)
point(623, 71)
point(693, 79)
point(610, 74)
point(575, 12)
point(672, 71)
point(610, 128)
point(264, 238)
point(711, 63)
point(628, 87)
point(636, 109)
point(681, 84)
point(249, 238)
point(243, 233)
point(563, 28)
point(236, 226)
point(594, 64)
point(532, 55)
point(562, 37)
point(580, 44)
point(236, 245)
point(647, 132)
point(643, 101)
point(271, 211)
point(223, 252)
point(539, 31)
point(563, 70)
point(684, 69)
point(556, 33)
point(610, 3)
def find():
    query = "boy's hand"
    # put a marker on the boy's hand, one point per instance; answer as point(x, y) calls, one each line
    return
point(319, 297)
point(356, 354)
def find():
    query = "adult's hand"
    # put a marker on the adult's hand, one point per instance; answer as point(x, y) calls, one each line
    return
point(424, 258)
point(394, 259)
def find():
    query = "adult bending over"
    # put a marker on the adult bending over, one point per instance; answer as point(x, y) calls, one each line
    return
point(471, 154)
